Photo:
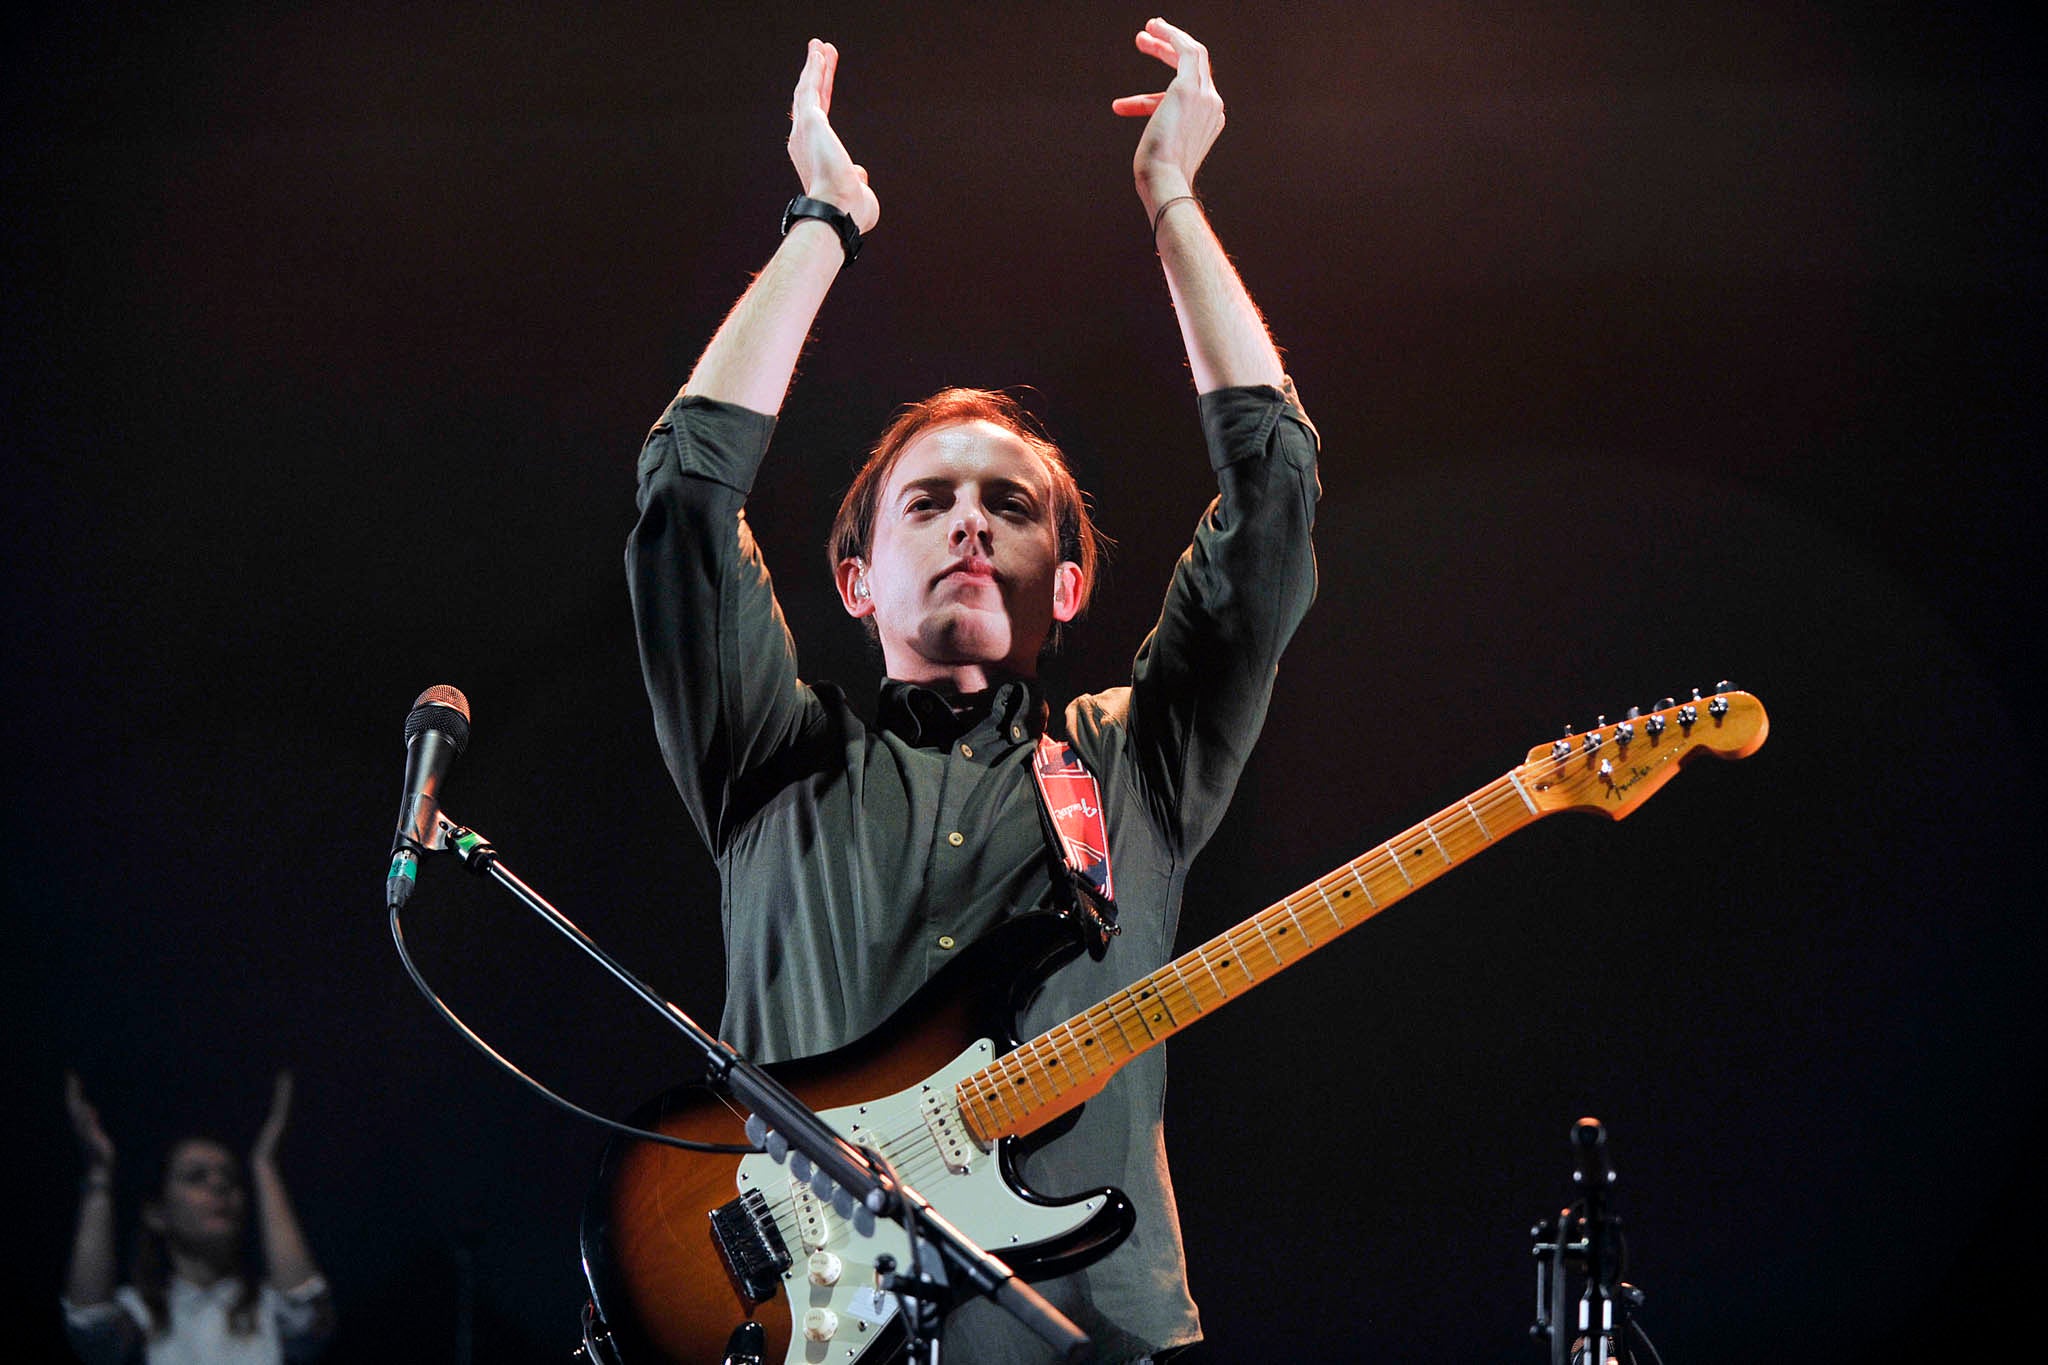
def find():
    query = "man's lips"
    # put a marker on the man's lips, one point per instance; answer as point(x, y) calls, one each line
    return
point(973, 570)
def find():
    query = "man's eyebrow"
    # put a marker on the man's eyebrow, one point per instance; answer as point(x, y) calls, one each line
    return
point(944, 483)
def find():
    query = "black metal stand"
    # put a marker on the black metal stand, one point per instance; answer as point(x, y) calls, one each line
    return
point(946, 1265)
point(1583, 1242)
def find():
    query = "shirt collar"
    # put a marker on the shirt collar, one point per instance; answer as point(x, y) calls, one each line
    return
point(926, 718)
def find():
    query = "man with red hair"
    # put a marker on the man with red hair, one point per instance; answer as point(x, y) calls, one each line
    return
point(858, 857)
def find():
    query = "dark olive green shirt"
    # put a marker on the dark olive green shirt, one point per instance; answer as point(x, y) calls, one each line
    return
point(856, 858)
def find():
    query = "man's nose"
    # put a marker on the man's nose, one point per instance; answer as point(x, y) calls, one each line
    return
point(970, 524)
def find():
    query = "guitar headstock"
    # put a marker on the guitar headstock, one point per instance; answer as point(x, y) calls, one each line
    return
point(1614, 768)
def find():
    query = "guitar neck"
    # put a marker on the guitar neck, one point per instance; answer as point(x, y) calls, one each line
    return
point(1068, 1063)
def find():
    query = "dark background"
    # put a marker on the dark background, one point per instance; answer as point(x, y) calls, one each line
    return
point(1650, 346)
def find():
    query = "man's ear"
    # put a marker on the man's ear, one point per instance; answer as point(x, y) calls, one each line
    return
point(1069, 591)
point(852, 579)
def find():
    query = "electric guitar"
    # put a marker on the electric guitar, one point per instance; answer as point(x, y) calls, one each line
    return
point(691, 1257)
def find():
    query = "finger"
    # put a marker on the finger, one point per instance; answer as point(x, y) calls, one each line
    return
point(1136, 106)
point(807, 83)
point(1188, 54)
point(862, 172)
point(831, 70)
point(1154, 46)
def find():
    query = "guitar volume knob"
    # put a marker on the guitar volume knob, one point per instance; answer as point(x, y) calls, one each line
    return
point(820, 1324)
point(824, 1269)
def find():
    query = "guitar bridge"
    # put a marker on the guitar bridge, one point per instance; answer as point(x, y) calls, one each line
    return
point(750, 1246)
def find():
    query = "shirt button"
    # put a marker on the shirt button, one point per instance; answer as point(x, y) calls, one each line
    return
point(945, 940)
point(967, 751)
point(1016, 732)
point(956, 838)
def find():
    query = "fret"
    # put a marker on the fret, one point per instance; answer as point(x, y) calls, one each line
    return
point(1220, 989)
point(1072, 1057)
point(1352, 868)
point(1146, 1023)
point(1151, 985)
point(1132, 1048)
point(1522, 792)
point(1330, 906)
point(1186, 989)
point(1023, 1064)
point(1288, 906)
point(1255, 922)
point(1477, 821)
point(1077, 1046)
point(1438, 842)
point(1397, 865)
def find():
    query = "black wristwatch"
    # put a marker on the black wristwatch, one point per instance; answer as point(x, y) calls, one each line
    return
point(839, 218)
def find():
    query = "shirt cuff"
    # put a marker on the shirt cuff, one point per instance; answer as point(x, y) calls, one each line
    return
point(298, 1309)
point(709, 439)
point(1239, 422)
point(96, 1317)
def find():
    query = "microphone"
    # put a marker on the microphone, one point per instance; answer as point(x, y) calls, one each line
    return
point(1589, 1142)
point(435, 732)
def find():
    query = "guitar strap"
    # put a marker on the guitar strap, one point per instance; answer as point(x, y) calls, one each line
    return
point(1070, 802)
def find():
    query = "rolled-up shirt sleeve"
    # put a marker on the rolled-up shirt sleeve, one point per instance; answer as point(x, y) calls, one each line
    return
point(106, 1333)
point(715, 651)
point(1203, 677)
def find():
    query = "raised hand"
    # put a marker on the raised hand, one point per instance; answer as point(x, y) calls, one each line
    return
point(1182, 121)
point(821, 159)
point(264, 1152)
point(85, 1123)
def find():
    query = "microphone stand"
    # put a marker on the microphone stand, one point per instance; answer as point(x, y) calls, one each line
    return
point(945, 1261)
point(1585, 1239)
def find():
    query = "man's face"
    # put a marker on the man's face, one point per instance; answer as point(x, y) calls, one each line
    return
point(964, 575)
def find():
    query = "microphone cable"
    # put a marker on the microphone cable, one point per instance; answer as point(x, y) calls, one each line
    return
point(476, 1040)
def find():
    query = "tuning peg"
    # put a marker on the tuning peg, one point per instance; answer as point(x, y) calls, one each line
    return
point(1723, 686)
point(1666, 703)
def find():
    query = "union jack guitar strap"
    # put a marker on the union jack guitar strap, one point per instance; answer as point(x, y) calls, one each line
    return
point(1072, 803)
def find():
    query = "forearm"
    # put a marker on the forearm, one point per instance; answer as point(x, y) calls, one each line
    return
point(1226, 338)
point(753, 356)
point(90, 1279)
point(287, 1263)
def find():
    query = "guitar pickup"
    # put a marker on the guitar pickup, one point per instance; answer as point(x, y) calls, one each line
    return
point(810, 1215)
point(753, 1251)
point(948, 1132)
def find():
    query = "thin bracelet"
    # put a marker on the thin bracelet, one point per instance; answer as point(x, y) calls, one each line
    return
point(1160, 216)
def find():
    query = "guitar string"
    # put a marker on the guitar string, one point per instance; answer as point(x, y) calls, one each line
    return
point(1471, 834)
point(1047, 1050)
point(1466, 833)
point(927, 1164)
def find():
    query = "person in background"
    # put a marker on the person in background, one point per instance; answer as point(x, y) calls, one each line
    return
point(196, 1294)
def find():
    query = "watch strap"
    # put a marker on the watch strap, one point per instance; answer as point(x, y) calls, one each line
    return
point(842, 222)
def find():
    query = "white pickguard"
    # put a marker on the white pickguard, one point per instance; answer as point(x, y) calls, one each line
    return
point(920, 1132)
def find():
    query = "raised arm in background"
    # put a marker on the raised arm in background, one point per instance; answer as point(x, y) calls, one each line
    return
point(287, 1263)
point(90, 1279)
